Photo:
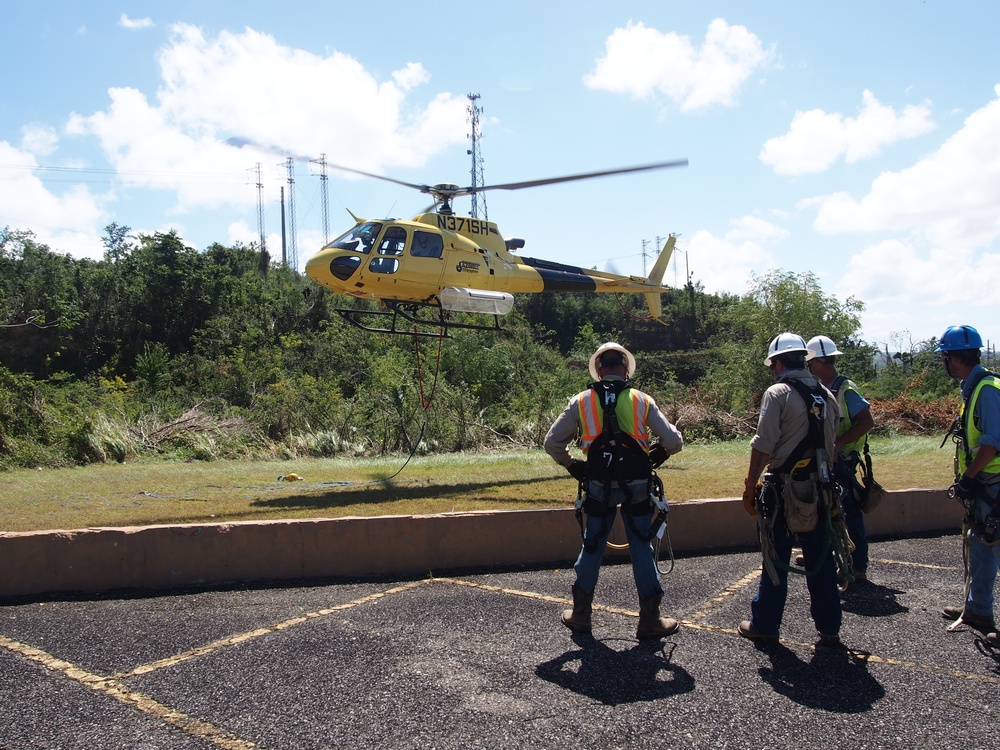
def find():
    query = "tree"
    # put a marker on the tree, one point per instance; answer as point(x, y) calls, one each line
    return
point(778, 301)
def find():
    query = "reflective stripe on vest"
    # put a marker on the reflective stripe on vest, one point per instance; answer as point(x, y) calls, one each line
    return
point(630, 410)
point(973, 433)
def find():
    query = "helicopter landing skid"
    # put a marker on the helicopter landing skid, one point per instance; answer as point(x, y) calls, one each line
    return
point(404, 313)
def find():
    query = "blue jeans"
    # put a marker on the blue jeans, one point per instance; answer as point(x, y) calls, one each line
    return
point(983, 564)
point(596, 532)
point(768, 606)
point(844, 472)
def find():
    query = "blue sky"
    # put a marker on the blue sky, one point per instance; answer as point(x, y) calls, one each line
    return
point(856, 140)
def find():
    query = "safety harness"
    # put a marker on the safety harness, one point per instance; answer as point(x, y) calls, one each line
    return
point(987, 532)
point(808, 462)
point(866, 492)
point(615, 459)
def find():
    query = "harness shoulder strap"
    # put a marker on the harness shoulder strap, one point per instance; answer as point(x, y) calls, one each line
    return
point(816, 410)
point(837, 383)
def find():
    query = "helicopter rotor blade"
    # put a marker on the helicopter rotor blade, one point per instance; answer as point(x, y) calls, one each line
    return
point(240, 142)
point(443, 193)
point(570, 178)
point(421, 188)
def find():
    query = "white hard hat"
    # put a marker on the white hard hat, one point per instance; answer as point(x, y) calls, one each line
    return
point(785, 343)
point(611, 346)
point(822, 346)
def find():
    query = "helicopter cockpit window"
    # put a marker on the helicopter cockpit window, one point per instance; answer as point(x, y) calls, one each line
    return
point(426, 245)
point(360, 239)
point(383, 264)
point(393, 241)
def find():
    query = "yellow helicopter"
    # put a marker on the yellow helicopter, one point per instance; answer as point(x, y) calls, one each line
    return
point(439, 262)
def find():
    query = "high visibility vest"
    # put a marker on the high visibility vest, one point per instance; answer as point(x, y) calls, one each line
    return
point(846, 421)
point(972, 431)
point(631, 410)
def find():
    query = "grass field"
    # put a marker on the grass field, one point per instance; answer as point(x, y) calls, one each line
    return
point(161, 492)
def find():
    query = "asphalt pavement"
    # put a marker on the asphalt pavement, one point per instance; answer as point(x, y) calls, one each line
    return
point(479, 659)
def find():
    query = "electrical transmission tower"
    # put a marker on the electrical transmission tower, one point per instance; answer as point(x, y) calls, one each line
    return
point(260, 210)
point(475, 136)
point(324, 197)
point(293, 254)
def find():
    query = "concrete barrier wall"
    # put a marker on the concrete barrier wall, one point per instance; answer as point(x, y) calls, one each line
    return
point(152, 557)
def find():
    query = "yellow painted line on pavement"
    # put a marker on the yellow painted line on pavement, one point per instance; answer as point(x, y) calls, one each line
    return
point(728, 592)
point(209, 648)
point(114, 688)
point(909, 564)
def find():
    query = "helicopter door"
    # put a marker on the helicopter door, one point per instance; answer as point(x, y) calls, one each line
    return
point(416, 276)
point(424, 263)
point(389, 250)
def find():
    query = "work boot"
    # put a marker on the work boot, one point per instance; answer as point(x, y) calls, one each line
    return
point(746, 631)
point(578, 618)
point(983, 623)
point(993, 639)
point(829, 641)
point(651, 625)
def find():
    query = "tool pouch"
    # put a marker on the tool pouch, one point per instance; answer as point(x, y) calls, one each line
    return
point(800, 493)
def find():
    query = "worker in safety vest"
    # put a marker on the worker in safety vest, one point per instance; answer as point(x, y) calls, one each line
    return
point(855, 424)
point(615, 423)
point(977, 474)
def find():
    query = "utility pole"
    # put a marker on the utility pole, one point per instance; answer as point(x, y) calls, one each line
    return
point(475, 136)
point(324, 198)
point(293, 253)
point(645, 254)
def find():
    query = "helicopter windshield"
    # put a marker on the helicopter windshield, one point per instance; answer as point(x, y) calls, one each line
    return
point(361, 238)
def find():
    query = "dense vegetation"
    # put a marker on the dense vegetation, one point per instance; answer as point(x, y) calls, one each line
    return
point(159, 349)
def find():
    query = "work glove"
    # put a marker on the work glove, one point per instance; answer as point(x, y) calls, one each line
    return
point(750, 497)
point(578, 469)
point(657, 455)
point(964, 488)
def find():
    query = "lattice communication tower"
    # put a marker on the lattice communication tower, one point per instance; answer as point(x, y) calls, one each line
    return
point(293, 253)
point(475, 135)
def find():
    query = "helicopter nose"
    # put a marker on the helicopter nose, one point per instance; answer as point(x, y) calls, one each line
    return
point(330, 267)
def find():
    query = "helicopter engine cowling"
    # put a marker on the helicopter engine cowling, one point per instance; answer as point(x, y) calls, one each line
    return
point(462, 299)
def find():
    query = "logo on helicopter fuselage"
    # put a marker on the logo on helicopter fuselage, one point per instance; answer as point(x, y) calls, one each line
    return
point(467, 265)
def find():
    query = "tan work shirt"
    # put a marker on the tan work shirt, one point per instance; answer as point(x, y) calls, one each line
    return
point(784, 421)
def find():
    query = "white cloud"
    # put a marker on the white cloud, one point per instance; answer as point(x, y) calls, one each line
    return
point(949, 197)
point(249, 86)
point(643, 62)
point(817, 139)
point(70, 219)
point(135, 23)
point(411, 76)
point(753, 228)
point(924, 290)
point(726, 264)
point(39, 140)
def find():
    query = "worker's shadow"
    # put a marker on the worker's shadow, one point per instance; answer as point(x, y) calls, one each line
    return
point(834, 680)
point(872, 600)
point(641, 673)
